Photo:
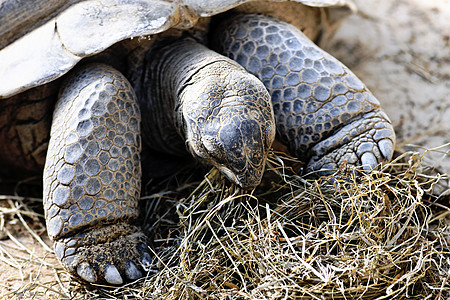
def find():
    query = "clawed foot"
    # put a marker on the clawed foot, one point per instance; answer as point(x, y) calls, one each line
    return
point(367, 141)
point(111, 254)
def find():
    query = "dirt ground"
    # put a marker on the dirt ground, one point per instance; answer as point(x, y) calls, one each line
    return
point(401, 51)
point(399, 48)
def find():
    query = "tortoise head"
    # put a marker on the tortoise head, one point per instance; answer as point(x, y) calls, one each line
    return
point(230, 125)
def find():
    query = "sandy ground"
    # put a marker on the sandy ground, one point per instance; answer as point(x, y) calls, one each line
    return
point(399, 48)
point(401, 51)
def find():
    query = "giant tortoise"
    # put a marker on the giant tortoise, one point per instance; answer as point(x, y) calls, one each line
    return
point(213, 80)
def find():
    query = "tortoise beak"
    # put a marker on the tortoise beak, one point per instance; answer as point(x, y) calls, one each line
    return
point(246, 148)
point(245, 180)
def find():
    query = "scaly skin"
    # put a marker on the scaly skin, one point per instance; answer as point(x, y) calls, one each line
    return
point(193, 96)
point(92, 177)
point(324, 113)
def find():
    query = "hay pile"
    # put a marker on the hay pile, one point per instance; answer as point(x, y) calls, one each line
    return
point(382, 235)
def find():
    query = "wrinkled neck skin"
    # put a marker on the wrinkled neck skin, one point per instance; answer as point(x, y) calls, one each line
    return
point(223, 113)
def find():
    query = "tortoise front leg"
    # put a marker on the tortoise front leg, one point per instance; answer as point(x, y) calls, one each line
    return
point(92, 178)
point(324, 113)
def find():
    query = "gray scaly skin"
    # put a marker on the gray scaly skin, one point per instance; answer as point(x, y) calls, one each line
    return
point(92, 177)
point(324, 113)
point(190, 95)
point(209, 103)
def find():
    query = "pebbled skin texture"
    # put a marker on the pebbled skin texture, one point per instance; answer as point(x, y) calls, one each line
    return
point(25, 131)
point(324, 113)
point(92, 176)
point(193, 96)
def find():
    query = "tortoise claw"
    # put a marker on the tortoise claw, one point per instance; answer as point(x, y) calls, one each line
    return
point(324, 113)
point(112, 275)
point(111, 254)
point(85, 271)
point(146, 261)
point(386, 148)
point(368, 161)
point(132, 271)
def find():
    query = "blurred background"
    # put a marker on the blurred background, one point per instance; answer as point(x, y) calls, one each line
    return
point(401, 50)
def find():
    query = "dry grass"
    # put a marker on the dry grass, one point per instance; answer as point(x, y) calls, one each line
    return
point(382, 235)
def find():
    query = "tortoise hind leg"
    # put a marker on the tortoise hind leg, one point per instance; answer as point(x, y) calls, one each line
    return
point(92, 178)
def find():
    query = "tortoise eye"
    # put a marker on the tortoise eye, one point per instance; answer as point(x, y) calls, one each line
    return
point(213, 149)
